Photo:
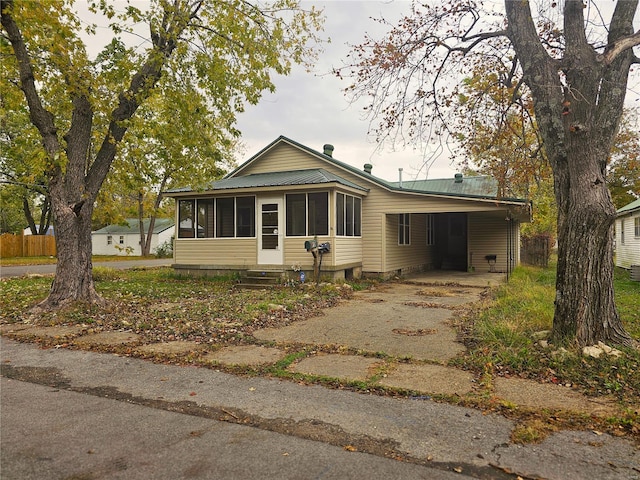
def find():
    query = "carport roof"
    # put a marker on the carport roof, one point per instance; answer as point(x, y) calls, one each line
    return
point(480, 186)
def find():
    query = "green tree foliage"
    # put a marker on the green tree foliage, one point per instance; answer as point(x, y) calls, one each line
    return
point(623, 169)
point(83, 107)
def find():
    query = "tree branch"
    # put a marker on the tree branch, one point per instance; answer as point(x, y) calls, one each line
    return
point(612, 51)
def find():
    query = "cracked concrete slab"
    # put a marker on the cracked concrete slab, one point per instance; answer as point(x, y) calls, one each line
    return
point(108, 338)
point(373, 321)
point(433, 379)
point(346, 367)
point(58, 331)
point(176, 347)
point(246, 355)
point(532, 394)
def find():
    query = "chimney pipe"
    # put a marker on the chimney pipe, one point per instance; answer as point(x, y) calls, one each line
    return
point(458, 178)
point(367, 168)
point(400, 177)
point(328, 150)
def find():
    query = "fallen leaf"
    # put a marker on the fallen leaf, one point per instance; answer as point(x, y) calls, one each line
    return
point(192, 394)
point(350, 448)
point(457, 469)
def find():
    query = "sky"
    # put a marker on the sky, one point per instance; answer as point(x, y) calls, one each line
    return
point(311, 108)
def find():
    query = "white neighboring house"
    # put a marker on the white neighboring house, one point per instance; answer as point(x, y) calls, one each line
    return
point(27, 231)
point(628, 235)
point(125, 239)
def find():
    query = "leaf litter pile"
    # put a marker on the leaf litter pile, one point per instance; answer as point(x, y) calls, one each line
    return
point(161, 307)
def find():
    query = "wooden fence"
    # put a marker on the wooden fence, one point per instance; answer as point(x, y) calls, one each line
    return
point(27, 245)
point(536, 250)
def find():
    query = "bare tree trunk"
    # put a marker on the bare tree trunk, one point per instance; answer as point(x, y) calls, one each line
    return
point(578, 114)
point(585, 306)
point(74, 270)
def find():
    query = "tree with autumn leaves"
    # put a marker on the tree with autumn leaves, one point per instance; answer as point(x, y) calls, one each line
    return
point(573, 61)
point(83, 108)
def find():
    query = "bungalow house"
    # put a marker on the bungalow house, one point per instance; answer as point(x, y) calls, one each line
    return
point(628, 235)
point(260, 216)
point(124, 239)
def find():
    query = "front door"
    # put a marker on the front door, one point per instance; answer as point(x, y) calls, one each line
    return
point(270, 230)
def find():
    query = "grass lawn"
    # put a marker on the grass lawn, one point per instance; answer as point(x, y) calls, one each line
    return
point(161, 306)
point(502, 338)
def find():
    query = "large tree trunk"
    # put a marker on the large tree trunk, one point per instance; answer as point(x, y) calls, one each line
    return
point(74, 271)
point(585, 306)
point(578, 102)
point(74, 184)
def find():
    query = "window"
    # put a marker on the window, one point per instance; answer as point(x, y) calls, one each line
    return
point(404, 232)
point(186, 224)
point(245, 217)
point(622, 232)
point(430, 230)
point(109, 240)
point(296, 215)
point(636, 226)
point(348, 215)
point(205, 218)
point(226, 217)
point(307, 214)
point(318, 208)
point(121, 239)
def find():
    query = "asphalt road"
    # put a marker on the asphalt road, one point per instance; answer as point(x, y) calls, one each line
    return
point(21, 270)
point(76, 414)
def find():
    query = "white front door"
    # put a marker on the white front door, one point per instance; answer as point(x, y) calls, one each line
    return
point(270, 231)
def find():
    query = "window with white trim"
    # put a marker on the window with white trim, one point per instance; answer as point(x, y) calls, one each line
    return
point(636, 226)
point(404, 229)
point(622, 232)
point(307, 214)
point(121, 241)
point(225, 217)
point(109, 240)
point(348, 215)
point(431, 237)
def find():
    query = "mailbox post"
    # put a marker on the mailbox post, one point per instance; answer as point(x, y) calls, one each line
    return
point(317, 250)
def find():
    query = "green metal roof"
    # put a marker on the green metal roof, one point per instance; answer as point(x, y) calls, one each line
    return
point(132, 226)
point(316, 176)
point(481, 186)
point(635, 205)
point(470, 187)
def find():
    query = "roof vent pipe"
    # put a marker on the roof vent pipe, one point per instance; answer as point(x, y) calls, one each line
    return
point(400, 177)
point(328, 150)
point(367, 168)
point(458, 178)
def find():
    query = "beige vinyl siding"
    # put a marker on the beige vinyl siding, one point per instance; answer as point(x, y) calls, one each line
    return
point(295, 253)
point(375, 205)
point(627, 254)
point(348, 250)
point(487, 235)
point(407, 258)
point(216, 251)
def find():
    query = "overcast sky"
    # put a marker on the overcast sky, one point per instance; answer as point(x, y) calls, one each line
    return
point(311, 107)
